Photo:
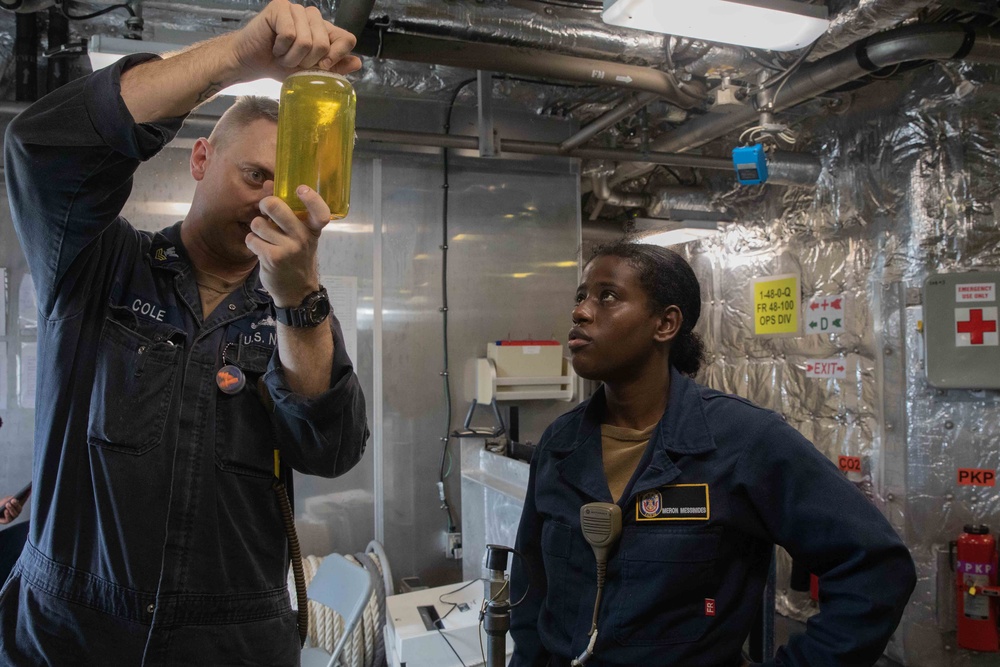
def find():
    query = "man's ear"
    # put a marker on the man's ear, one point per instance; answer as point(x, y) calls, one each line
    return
point(668, 324)
point(200, 155)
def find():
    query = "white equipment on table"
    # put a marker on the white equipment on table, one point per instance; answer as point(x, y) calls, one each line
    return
point(412, 637)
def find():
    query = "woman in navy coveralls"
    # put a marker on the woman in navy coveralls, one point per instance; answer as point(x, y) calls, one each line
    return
point(718, 484)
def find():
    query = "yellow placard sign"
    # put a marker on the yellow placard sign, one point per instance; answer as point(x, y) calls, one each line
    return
point(776, 305)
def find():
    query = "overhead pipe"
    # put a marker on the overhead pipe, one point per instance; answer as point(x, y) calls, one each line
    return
point(909, 43)
point(537, 25)
point(685, 203)
point(667, 203)
point(608, 119)
point(862, 19)
point(466, 142)
point(352, 15)
point(786, 168)
point(604, 192)
point(805, 166)
point(531, 62)
point(541, 148)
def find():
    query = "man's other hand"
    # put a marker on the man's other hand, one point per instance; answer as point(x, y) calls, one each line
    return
point(286, 246)
point(11, 509)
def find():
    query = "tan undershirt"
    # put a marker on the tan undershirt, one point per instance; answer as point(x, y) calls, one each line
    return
point(214, 289)
point(621, 451)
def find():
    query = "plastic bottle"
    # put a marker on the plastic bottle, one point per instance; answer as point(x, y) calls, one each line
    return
point(315, 140)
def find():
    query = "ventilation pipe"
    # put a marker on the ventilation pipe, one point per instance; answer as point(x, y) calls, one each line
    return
point(531, 62)
point(667, 203)
point(864, 19)
point(542, 26)
point(600, 124)
point(352, 15)
point(909, 43)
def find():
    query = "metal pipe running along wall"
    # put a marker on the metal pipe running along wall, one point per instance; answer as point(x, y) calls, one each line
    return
point(788, 168)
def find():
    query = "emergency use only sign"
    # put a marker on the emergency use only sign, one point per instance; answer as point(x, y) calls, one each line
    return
point(776, 305)
point(962, 330)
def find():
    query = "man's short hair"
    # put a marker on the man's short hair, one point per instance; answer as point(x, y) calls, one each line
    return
point(246, 110)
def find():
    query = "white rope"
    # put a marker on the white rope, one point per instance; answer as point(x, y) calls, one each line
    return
point(326, 626)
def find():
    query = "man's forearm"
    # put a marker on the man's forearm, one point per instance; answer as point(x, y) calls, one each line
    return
point(307, 357)
point(171, 87)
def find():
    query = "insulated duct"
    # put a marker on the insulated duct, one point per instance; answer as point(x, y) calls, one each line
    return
point(786, 168)
point(519, 23)
point(601, 189)
point(866, 18)
point(530, 62)
point(909, 43)
point(667, 203)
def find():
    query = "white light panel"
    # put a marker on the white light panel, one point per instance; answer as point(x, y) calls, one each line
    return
point(775, 25)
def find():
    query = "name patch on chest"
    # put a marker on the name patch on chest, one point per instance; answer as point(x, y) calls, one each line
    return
point(674, 502)
point(148, 309)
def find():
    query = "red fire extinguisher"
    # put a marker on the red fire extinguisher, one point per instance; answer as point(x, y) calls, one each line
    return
point(976, 581)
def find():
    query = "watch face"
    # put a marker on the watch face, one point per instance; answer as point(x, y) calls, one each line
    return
point(319, 309)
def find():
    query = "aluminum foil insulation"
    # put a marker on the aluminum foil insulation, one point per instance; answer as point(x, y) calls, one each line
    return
point(531, 25)
point(908, 187)
point(863, 18)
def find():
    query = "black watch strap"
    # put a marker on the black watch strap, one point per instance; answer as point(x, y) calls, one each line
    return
point(313, 310)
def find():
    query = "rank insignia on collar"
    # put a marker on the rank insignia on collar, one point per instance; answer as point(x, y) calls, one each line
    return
point(163, 254)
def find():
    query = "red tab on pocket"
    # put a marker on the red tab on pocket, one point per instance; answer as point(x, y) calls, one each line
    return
point(709, 607)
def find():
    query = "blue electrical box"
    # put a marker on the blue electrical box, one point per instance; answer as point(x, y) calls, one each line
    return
point(751, 164)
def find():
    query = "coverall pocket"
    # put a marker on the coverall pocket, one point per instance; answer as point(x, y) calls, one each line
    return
point(244, 436)
point(135, 371)
point(667, 576)
point(556, 544)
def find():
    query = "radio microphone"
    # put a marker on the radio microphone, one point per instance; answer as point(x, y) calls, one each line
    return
point(602, 526)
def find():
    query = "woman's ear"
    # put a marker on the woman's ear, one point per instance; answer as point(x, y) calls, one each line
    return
point(668, 325)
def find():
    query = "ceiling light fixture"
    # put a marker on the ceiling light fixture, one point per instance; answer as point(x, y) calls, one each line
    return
point(104, 51)
point(673, 232)
point(776, 25)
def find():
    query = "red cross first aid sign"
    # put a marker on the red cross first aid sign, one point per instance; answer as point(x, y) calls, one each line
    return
point(976, 327)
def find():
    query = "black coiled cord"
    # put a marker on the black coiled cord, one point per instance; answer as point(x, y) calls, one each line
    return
point(296, 554)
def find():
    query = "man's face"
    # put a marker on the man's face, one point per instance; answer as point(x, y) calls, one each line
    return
point(232, 179)
point(614, 330)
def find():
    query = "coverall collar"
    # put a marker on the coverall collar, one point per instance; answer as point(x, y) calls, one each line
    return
point(683, 430)
point(167, 252)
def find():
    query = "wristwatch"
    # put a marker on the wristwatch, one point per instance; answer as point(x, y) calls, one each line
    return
point(310, 313)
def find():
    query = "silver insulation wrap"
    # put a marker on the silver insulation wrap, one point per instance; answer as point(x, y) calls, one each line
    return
point(908, 187)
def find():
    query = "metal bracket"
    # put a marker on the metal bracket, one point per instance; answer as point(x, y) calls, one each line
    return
point(487, 135)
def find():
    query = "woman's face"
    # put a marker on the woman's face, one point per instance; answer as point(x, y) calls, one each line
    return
point(615, 327)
